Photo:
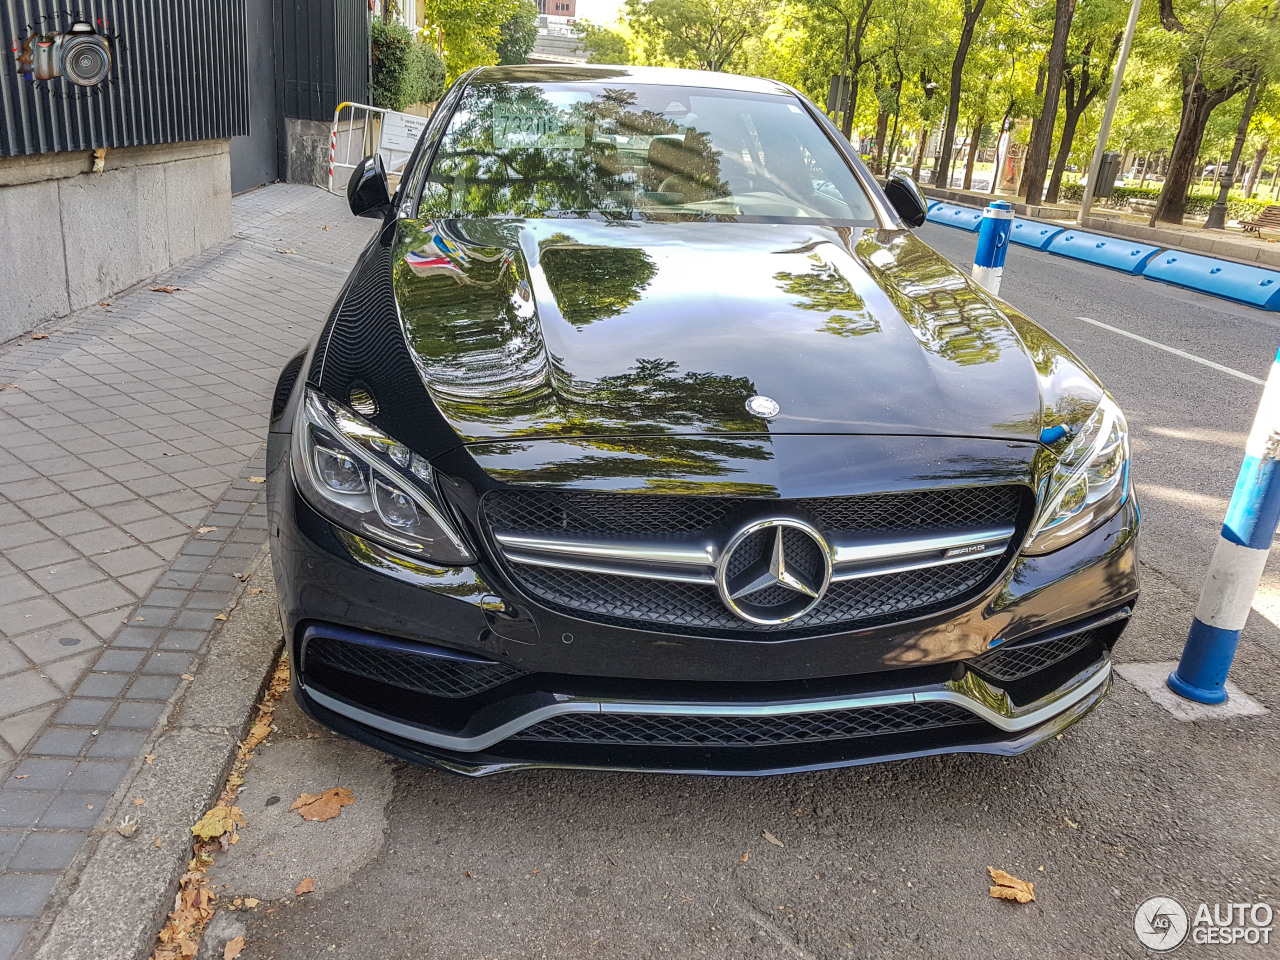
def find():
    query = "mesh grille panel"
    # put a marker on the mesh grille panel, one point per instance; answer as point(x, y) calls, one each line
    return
point(633, 601)
point(435, 676)
point(675, 731)
point(1022, 660)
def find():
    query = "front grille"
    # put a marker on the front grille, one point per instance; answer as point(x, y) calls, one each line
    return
point(422, 673)
point(533, 512)
point(696, 608)
point(702, 731)
point(1009, 663)
point(632, 601)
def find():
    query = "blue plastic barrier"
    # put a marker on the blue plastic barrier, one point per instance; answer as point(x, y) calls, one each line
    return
point(1220, 278)
point(930, 204)
point(1117, 253)
point(1033, 233)
point(966, 218)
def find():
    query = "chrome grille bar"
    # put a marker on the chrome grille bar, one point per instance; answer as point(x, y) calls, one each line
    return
point(695, 562)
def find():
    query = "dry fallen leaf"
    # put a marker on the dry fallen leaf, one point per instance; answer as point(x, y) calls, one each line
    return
point(251, 902)
point(159, 841)
point(307, 885)
point(323, 806)
point(166, 289)
point(745, 857)
point(150, 758)
point(257, 479)
point(221, 819)
point(233, 949)
point(139, 802)
point(1009, 887)
point(104, 303)
point(127, 827)
point(205, 529)
point(771, 838)
point(242, 577)
point(254, 591)
point(221, 616)
point(39, 336)
point(22, 776)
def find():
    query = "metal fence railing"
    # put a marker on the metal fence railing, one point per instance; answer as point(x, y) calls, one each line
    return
point(360, 130)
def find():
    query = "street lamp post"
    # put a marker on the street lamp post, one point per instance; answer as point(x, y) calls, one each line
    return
point(1112, 99)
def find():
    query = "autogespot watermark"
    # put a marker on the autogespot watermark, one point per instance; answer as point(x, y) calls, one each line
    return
point(1162, 923)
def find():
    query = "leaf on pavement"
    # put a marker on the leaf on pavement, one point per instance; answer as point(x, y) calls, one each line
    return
point(159, 842)
point(221, 616)
point(221, 819)
point(257, 733)
point(205, 529)
point(166, 289)
point(1009, 887)
point(771, 838)
point(251, 902)
point(257, 479)
point(150, 758)
point(308, 885)
point(745, 857)
point(39, 336)
point(323, 806)
point(254, 591)
point(233, 949)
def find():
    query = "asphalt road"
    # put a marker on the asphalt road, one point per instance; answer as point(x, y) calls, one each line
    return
point(886, 861)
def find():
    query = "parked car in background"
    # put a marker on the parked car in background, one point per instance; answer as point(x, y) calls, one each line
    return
point(647, 435)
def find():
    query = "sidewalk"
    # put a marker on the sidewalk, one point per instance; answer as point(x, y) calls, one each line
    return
point(127, 429)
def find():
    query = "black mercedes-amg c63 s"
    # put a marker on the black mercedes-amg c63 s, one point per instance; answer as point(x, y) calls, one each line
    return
point(646, 435)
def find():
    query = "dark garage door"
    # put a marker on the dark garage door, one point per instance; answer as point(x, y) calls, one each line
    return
point(254, 158)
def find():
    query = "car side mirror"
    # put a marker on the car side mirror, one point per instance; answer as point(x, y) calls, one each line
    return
point(906, 198)
point(368, 193)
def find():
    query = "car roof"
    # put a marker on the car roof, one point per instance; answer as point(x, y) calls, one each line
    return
point(596, 73)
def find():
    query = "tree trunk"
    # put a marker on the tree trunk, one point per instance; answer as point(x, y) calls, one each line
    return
point(1064, 154)
point(1255, 169)
point(1198, 102)
point(882, 131)
point(924, 138)
point(1146, 169)
point(1217, 174)
point(971, 15)
point(1037, 161)
point(975, 138)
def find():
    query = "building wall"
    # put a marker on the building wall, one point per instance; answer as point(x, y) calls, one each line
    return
point(70, 237)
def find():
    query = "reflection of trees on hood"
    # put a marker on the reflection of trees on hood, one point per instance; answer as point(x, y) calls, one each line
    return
point(472, 176)
point(827, 290)
point(593, 283)
point(948, 316)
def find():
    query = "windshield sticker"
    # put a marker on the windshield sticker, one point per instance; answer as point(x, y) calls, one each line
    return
point(524, 125)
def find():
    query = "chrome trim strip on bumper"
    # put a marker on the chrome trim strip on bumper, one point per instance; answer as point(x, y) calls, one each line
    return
point(695, 563)
point(1006, 720)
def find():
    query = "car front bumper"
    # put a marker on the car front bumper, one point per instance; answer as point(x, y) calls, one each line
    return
point(578, 694)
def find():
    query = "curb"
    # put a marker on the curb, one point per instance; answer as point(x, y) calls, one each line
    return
point(125, 887)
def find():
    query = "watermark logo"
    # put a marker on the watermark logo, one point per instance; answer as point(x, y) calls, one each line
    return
point(1161, 923)
point(68, 56)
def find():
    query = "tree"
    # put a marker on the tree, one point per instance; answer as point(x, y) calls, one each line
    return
point(472, 30)
point(405, 71)
point(972, 11)
point(1084, 80)
point(601, 44)
point(518, 33)
point(1221, 45)
point(1037, 162)
point(704, 34)
point(854, 16)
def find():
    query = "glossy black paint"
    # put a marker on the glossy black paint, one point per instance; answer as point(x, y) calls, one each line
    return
point(589, 355)
point(368, 191)
point(906, 198)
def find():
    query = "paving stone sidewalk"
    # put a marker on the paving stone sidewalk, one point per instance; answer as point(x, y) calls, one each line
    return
point(123, 430)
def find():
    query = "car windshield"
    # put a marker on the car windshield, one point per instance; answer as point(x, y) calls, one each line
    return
point(638, 152)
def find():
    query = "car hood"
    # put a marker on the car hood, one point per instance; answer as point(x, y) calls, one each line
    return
point(560, 328)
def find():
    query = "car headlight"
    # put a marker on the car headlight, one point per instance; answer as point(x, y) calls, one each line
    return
point(1088, 485)
point(355, 475)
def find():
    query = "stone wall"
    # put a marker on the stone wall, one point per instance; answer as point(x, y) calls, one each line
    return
point(70, 237)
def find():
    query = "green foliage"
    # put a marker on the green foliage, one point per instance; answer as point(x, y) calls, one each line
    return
point(601, 44)
point(404, 71)
point(703, 34)
point(472, 30)
point(518, 33)
point(1198, 204)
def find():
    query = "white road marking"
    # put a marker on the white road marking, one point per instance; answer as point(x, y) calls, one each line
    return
point(1174, 350)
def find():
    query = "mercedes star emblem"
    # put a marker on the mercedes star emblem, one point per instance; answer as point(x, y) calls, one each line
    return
point(765, 407)
point(774, 571)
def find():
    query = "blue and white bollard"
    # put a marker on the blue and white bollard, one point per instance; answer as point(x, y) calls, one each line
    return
point(1236, 568)
point(993, 244)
